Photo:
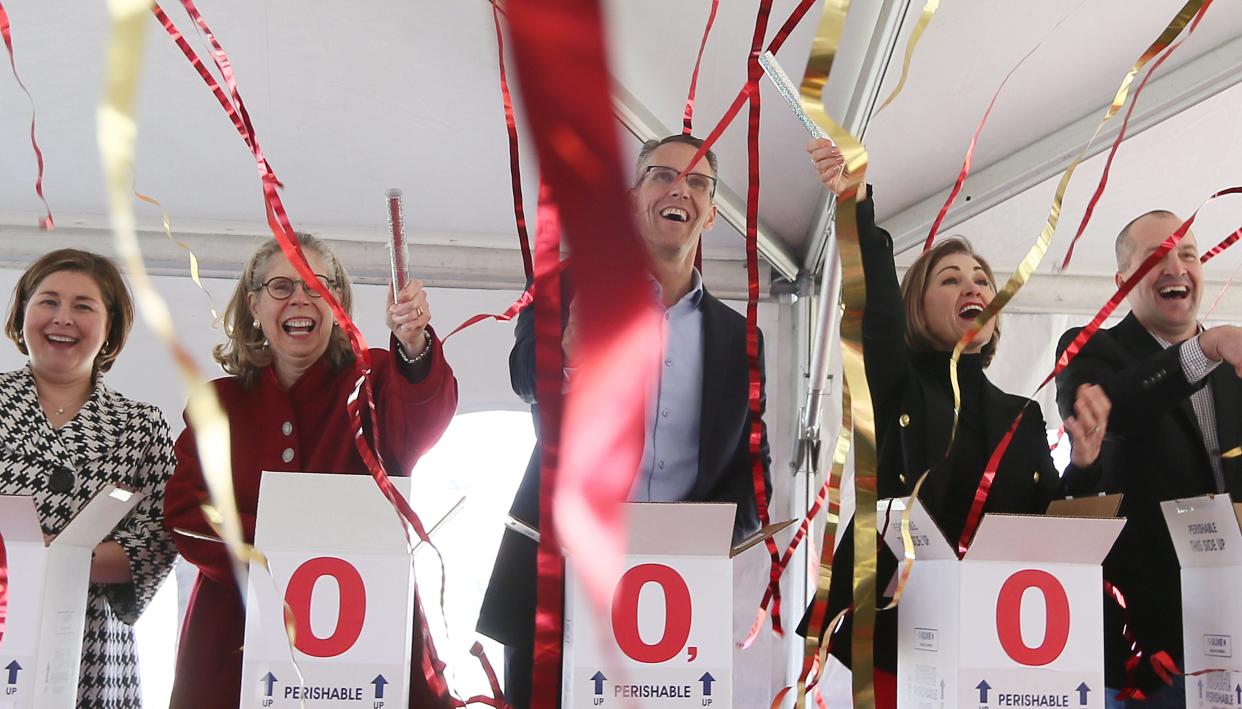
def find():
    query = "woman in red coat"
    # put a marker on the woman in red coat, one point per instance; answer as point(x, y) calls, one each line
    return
point(292, 374)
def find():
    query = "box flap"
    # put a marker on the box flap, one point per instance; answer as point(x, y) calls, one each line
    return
point(768, 531)
point(680, 528)
point(1039, 538)
point(19, 522)
point(929, 542)
point(303, 511)
point(1099, 506)
point(100, 516)
point(1204, 530)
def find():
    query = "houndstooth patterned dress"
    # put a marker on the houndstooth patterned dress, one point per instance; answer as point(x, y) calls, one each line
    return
point(111, 439)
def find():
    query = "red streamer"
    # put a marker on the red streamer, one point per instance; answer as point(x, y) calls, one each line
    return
point(778, 41)
point(1121, 135)
point(687, 117)
point(4, 587)
point(787, 556)
point(515, 172)
point(559, 46)
point(282, 230)
point(970, 154)
point(497, 699)
point(549, 360)
point(7, 33)
point(754, 74)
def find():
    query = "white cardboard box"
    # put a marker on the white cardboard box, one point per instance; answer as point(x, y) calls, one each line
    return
point(339, 559)
point(1207, 534)
point(41, 652)
point(668, 640)
point(1017, 622)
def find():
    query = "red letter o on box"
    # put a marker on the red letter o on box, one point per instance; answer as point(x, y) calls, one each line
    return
point(352, 612)
point(676, 613)
point(1009, 617)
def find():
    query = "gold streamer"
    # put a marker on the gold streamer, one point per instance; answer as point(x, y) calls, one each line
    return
point(929, 11)
point(907, 544)
point(854, 297)
point(117, 133)
point(194, 273)
point(1232, 453)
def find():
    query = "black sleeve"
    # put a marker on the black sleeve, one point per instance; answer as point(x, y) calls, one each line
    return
point(522, 356)
point(740, 480)
point(884, 317)
point(1138, 390)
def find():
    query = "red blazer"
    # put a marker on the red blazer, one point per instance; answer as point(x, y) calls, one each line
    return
point(265, 422)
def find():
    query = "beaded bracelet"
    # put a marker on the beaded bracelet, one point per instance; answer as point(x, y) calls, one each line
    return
point(418, 357)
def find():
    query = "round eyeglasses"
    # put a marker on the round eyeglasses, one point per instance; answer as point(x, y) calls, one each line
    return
point(282, 288)
point(697, 181)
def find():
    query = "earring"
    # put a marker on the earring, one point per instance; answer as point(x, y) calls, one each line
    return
point(256, 322)
point(21, 337)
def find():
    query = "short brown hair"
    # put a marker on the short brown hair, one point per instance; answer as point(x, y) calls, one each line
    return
point(1124, 247)
point(117, 301)
point(914, 286)
point(650, 146)
point(246, 352)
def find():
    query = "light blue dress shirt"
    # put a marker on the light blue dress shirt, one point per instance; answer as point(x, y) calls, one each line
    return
point(670, 463)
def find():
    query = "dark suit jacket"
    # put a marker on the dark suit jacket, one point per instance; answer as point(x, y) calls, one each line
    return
point(1154, 451)
point(913, 419)
point(724, 474)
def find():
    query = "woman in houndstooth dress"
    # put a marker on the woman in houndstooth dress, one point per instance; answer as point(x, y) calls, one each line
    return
point(65, 434)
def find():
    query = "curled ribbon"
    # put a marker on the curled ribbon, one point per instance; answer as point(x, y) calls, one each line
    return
point(925, 18)
point(974, 517)
point(194, 272)
point(829, 493)
point(687, 117)
point(862, 410)
point(754, 376)
point(1193, 8)
point(6, 33)
point(281, 227)
point(969, 158)
point(1125, 124)
point(515, 172)
point(778, 41)
point(4, 587)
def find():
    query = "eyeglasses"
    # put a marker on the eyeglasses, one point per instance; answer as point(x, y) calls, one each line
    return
point(282, 288)
point(697, 181)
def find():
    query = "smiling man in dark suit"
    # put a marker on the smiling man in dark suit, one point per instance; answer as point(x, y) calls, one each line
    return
point(1176, 407)
point(698, 423)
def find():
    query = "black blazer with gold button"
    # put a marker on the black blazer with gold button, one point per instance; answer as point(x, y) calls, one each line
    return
point(914, 418)
point(1154, 451)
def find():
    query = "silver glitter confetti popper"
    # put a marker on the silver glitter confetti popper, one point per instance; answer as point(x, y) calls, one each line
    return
point(398, 254)
point(790, 92)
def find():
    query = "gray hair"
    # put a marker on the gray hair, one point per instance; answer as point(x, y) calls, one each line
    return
point(649, 147)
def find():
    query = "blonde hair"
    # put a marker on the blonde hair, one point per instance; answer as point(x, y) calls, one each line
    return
point(245, 353)
point(914, 286)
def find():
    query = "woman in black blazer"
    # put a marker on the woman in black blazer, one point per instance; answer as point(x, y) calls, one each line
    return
point(909, 332)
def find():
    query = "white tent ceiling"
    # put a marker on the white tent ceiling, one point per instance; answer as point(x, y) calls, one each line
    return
point(349, 100)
